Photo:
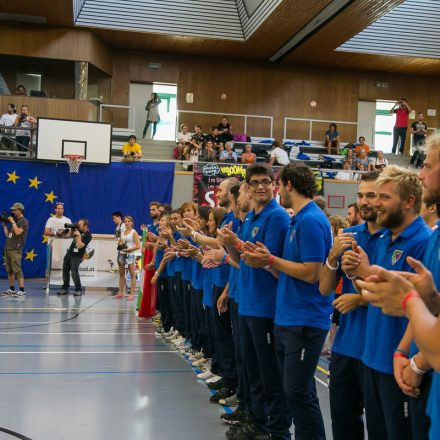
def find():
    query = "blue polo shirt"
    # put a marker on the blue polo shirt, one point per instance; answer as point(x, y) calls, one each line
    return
point(158, 260)
point(208, 289)
point(177, 261)
point(153, 228)
point(350, 337)
point(187, 265)
point(383, 333)
point(172, 265)
point(220, 274)
point(308, 239)
point(257, 287)
point(233, 272)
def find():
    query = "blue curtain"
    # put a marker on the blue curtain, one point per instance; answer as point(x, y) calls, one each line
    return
point(94, 193)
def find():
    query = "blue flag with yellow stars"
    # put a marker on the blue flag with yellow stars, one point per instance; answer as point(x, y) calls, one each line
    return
point(94, 193)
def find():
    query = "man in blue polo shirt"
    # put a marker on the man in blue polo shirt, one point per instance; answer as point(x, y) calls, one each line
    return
point(416, 295)
point(302, 318)
point(267, 223)
point(346, 368)
point(399, 197)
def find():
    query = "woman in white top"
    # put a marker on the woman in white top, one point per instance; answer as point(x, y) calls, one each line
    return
point(128, 243)
point(184, 135)
point(379, 163)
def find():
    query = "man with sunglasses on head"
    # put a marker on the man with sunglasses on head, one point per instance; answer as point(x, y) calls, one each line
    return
point(15, 229)
point(55, 224)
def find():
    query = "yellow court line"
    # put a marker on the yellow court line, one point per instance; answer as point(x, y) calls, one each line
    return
point(322, 370)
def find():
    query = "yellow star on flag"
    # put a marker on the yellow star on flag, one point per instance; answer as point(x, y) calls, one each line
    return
point(50, 197)
point(30, 255)
point(45, 239)
point(12, 177)
point(33, 183)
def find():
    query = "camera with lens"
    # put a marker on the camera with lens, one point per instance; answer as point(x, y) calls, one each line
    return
point(4, 216)
point(70, 226)
point(121, 246)
point(23, 117)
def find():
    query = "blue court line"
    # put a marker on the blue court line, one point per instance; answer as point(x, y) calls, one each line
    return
point(42, 373)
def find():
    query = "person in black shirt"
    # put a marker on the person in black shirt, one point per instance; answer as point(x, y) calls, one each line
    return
point(74, 257)
point(419, 130)
point(225, 129)
point(214, 137)
point(198, 136)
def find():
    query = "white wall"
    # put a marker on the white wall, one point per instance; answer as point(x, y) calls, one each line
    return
point(366, 117)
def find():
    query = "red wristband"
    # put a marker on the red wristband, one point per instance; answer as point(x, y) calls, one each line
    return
point(238, 246)
point(400, 355)
point(271, 260)
point(227, 259)
point(411, 294)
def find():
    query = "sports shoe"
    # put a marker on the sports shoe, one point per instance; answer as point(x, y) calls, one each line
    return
point(196, 356)
point(215, 378)
point(62, 292)
point(77, 293)
point(169, 333)
point(229, 401)
point(199, 362)
point(246, 431)
point(236, 418)
point(174, 336)
point(178, 340)
point(205, 375)
point(19, 293)
point(8, 292)
point(223, 393)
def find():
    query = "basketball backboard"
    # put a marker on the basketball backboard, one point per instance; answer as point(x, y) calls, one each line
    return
point(59, 137)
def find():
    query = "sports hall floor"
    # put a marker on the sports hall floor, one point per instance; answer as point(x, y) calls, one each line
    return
point(89, 369)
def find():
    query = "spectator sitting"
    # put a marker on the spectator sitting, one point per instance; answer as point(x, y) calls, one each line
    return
point(248, 157)
point(278, 156)
point(228, 155)
point(184, 135)
point(361, 145)
point(362, 159)
point(8, 120)
point(379, 163)
point(198, 136)
point(346, 174)
point(132, 149)
point(178, 150)
point(225, 130)
point(332, 139)
point(215, 137)
point(350, 159)
point(21, 90)
point(361, 167)
point(192, 151)
point(208, 154)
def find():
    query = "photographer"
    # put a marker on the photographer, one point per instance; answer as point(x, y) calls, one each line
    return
point(74, 256)
point(15, 228)
point(402, 111)
point(24, 121)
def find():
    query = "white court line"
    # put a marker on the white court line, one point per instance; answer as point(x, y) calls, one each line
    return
point(89, 352)
point(321, 382)
point(74, 323)
point(77, 333)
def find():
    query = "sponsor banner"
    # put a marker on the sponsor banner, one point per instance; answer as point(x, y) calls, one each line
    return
point(208, 176)
point(99, 267)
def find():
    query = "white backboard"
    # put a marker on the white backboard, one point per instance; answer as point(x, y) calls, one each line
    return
point(58, 137)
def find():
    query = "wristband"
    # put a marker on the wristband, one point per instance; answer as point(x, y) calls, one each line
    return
point(415, 368)
point(333, 269)
point(271, 260)
point(224, 259)
point(399, 352)
point(227, 259)
point(351, 278)
point(399, 355)
point(411, 294)
point(239, 245)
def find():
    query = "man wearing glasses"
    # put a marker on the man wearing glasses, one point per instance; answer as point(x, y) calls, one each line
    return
point(15, 229)
point(55, 224)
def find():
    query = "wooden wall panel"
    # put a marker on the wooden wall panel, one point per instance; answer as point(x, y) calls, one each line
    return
point(53, 108)
point(63, 44)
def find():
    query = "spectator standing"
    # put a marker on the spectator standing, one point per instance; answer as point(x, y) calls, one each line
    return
point(184, 135)
point(132, 149)
point(400, 128)
point(8, 120)
point(248, 157)
point(25, 122)
point(228, 155)
point(419, 130)
point(278, 156)
point(208, 154)
point(332, 138)
point(153, 116)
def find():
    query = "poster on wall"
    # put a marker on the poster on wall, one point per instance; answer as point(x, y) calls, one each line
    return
point(208, 176)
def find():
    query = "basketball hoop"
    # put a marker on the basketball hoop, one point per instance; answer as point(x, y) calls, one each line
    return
point(74, 161)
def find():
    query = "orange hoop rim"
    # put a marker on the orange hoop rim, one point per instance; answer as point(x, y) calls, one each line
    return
point(74, 156)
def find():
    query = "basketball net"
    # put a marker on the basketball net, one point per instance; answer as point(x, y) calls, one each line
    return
point(74, 161)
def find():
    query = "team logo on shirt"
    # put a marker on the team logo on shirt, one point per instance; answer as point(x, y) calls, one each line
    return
point(255, 232)
point(292, 235)
point(396, 256)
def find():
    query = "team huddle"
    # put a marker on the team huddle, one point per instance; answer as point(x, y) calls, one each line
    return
point(247, 293)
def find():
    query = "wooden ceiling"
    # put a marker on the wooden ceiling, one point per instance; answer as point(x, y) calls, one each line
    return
point(289, 18)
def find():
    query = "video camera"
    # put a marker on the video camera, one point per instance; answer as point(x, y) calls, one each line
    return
point(70, 226)
point(4, 216)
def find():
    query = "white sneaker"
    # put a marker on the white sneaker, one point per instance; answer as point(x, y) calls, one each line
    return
point(168, 333)
point(178, 340)
point(214, 378)
point(8, 292)
point(206, 375)
point(196, 356)
point(229, 401)
point(19, 294)
point(174, 336)
point(199, 363)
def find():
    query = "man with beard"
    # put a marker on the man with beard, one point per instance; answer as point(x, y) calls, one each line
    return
point(354, 217)
point(346, 368)
point(416, 295)
point(399, 196)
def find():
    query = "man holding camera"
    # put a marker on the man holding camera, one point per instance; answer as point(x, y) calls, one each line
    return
point(15, 228)
point(74, 256)
point(402, 111)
